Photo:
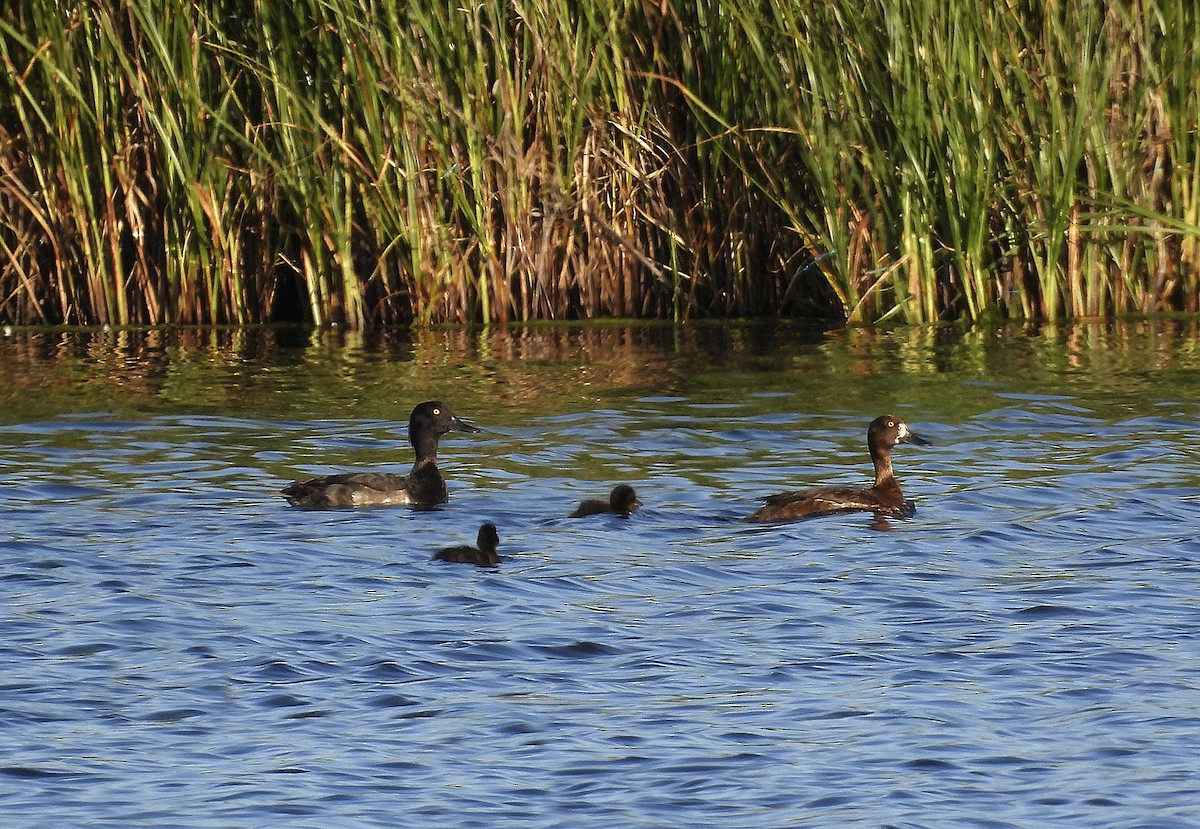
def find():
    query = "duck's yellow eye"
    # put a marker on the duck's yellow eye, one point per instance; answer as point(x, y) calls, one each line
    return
point(437, 411)
point(891, 423)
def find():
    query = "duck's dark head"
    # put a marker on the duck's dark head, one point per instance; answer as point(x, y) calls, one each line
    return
point(435, 418)
point(623, 500)
point(886, 431)
point(488, 538)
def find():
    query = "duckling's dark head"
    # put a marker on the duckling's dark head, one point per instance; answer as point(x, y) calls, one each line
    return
point(623, 500)
point(435, 418)
point(886, 431)
point(488, 539)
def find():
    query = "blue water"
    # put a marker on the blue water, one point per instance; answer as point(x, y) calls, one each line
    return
point(180, 648)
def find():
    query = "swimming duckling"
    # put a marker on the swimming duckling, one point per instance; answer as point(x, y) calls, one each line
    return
point(482, 555)
point(883, 499)
point(621, 501)
point(423, 486)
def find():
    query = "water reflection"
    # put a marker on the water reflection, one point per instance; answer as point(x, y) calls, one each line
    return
point(555, 368)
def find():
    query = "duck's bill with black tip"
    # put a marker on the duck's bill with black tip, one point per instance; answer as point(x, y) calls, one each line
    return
point(907, 435)
point(457, 424)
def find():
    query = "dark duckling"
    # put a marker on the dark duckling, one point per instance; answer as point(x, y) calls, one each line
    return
point(482, 555)
point(883, 499)
point(422, 486)
point(622, 501)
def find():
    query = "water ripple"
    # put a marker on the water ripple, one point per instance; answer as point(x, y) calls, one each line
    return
point(182, 649)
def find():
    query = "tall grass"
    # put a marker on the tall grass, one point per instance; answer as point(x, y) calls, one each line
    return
point(371, 161)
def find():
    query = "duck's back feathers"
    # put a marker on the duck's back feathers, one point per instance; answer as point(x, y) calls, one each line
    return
point(424, 486)
point(810, 503)
point(591, 506)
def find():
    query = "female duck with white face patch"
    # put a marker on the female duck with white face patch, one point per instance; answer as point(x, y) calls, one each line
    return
point(884, 498)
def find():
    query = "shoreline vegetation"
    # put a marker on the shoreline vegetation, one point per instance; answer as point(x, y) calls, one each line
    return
point(373, 162)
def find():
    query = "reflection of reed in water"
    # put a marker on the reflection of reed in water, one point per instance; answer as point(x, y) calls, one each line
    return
point(302, 373)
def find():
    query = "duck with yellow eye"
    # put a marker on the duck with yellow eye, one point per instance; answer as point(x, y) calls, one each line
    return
point(884, 498)
point(423, 486)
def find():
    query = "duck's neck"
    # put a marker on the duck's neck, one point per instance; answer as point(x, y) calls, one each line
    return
point(885, 478)
point(426, 449)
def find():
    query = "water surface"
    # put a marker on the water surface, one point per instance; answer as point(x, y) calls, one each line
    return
point(183, 649)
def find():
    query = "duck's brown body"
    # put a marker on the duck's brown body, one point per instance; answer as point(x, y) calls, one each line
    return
point(883, 499)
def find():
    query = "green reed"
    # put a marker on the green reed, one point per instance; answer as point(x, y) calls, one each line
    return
point(368, 161)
